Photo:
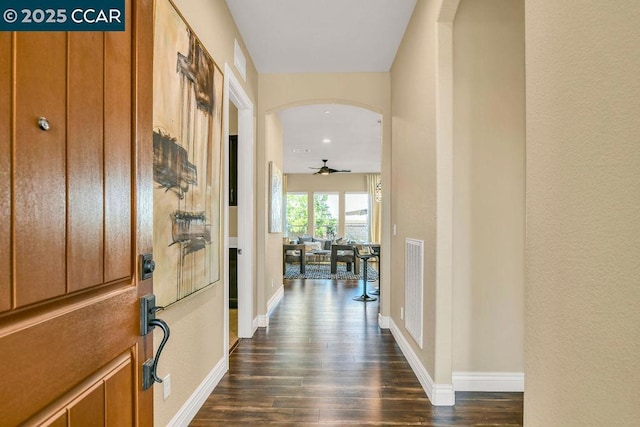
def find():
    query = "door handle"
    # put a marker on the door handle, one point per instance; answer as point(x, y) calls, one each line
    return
point(148, 321)
point(239, 251)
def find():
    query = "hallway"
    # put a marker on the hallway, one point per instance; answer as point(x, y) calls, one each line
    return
point(324, 360)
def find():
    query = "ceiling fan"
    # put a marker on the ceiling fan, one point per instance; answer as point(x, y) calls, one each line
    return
point(326, 170)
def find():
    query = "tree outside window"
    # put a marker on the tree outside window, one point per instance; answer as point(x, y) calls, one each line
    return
point(297, 218)
point(325, 215)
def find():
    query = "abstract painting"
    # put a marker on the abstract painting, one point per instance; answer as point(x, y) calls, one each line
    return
point(275, 198)
point(187, 135)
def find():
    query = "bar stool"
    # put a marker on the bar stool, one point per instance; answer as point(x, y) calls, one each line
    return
point(365, 258)
point(375, 249)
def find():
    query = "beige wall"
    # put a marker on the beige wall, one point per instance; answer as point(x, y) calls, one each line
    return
point(582, 299)
point(334, 183)
point(489, 186)
point(233, 221)
point(278, 91)
point(582, 360)
point(273, 241)
point(461, 158)
point(338, 182)
point(413, 153)
point(233, 119)
point(196, 344)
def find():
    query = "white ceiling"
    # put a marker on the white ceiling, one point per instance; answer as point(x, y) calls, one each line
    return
point(310, 36)
point(355, 135)
point(325, 36)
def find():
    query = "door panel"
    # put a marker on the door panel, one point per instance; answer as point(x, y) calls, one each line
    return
point(39, 167)
point(60, 421)
point(77, 202)
point(117, 116)
point(85, 160)
point(100, 400)
point(70, 347)
point(89, 409)
point(119, 407)
point(5, 171)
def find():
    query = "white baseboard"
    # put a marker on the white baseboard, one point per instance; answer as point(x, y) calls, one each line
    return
point(191, 407)
point(275, 300)
point(438, 394)
point(383, 321)
point(488, 381)
point(257, 323)
point(263, 319)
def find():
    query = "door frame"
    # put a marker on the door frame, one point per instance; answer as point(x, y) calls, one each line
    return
point(234, 92)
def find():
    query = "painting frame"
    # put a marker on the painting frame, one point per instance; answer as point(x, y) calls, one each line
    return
point(187, 159)
point(276, 198)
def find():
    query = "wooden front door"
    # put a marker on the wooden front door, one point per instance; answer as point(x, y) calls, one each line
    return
point(76, 213)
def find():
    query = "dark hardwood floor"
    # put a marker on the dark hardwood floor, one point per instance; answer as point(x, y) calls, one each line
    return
point(323, 360)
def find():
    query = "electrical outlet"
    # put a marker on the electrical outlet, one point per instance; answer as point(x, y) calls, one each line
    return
point(395, 229)
point(166, 386)
point(401, 313)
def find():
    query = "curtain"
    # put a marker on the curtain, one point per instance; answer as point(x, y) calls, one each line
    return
point(284, 209)
point(374, 187)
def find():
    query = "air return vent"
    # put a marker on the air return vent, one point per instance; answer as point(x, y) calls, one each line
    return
point(413, 288)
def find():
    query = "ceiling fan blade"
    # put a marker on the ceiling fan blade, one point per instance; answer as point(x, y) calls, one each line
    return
point(326, 170)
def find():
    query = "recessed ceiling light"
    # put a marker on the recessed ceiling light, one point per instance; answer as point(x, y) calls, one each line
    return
point(326, 141)
point(327, 112)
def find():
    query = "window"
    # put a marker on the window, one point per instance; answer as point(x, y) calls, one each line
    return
point(297, 218)
point(356, 223)
point(325, 215)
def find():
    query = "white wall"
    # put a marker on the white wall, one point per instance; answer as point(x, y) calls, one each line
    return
point(489, 187)
point(582, 360)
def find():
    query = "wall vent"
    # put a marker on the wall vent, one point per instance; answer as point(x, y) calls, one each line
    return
point(413, 288)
